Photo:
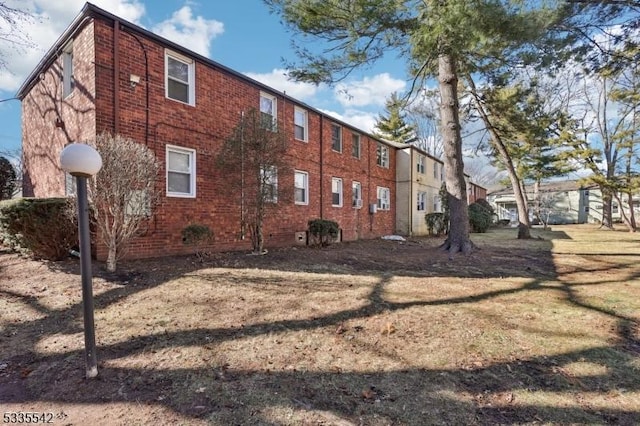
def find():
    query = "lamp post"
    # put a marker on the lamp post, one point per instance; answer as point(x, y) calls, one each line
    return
point(82, 162)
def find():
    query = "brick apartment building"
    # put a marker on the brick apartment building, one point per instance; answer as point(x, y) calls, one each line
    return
point(106, 74)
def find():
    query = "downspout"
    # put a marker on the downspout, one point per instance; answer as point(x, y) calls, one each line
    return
point(321, 167)
point(410, 191)
point(146, 79)
point(242, 225)
point(116, 76)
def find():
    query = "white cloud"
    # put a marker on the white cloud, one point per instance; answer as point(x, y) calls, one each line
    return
point(368, 91)
point(362, 120)
point(194, 32)
point(278, 80)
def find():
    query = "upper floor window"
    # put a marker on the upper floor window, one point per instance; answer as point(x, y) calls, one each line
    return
point(382, 155)
point(301, 187)
point(357, 194)
point(384, 198)
point(422, 201)
point(435, 170)
point(355, 147)
point(421, 164)
point(300, 123)
point(269, 183)
point(336, 137)
point(268, 110)
point(67, 70)
point(181, 172)
point(179, 78)
point(336, 192)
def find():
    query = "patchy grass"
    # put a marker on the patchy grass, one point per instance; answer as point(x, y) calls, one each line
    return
point(371, 332)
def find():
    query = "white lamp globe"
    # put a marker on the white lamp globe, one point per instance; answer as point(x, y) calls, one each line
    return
point(80, 159)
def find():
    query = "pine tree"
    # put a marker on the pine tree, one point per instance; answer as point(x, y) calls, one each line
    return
point(392, 125)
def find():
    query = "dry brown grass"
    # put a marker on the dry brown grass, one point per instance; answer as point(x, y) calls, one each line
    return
point(375, 333)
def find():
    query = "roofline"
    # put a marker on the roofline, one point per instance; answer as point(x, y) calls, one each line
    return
point(89, 10)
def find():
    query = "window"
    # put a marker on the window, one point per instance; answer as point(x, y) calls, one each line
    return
point(355, 145)
point(179, 78)
point(336, 192)
point(436, 203)
point(67, 71)
point(442, 172)
point(384, 198)
point(181, 172)
point(435, 170)
point(357, 194)
point(269, 184)
point(69, 185)
point(614, 208)
point(300, 124)
point(382, 156)
point(422, 201)
point(138, 204)
point(420, 165)
point(336, 137)
point(301, 187)
point(268, 111)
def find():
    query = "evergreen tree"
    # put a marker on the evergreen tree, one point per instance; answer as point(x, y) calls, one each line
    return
point(8, 179)
point(392, 125)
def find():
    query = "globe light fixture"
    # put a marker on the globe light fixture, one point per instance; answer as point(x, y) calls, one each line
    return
point(83, 161)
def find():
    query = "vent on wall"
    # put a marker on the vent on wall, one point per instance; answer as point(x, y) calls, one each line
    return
point(301, 238)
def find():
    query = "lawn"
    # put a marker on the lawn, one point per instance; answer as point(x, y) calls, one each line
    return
point(544, 331)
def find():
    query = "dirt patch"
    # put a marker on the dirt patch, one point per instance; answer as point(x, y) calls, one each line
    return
point(369, 332)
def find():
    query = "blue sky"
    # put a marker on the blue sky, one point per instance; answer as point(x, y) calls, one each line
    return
point(240, 34)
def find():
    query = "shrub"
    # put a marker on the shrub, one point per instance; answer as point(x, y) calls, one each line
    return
point(46, 228)
point(436, 223)
point(480, 217)
point(198, 236)
point(323, 231)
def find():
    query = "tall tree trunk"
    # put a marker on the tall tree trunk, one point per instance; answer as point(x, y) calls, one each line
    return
point(628, 220)
point(518, 192)
point(607, 199)
point(632, 213)
point(112, 258)
point(458, 237)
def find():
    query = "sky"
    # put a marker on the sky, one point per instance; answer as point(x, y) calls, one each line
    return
point(240, 34)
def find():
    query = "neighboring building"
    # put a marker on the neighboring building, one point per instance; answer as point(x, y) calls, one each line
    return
point(566, 201)
point(475, 192)
point(107, 74)
point(419, 179)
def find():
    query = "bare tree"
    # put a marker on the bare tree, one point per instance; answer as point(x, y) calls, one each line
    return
point(252, 159)
point(124, 194)
point(424, 114)
point(12, 35)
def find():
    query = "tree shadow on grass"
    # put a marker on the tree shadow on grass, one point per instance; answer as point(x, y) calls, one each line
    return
point(500, 392)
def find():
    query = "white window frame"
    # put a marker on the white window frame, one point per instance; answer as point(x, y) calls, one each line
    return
point(421, 164)
point(305, 187)
point(274, 106)
point(356, 142)
point(338, 183)
point(192, 171)
point(336, 126)
point(68, 82)
point(383, 198)
point(191, 84)
point(356, 188)
point(421, 204)
point(269, 176)
point(382, 156)
point(304, 125)
point(435, 170)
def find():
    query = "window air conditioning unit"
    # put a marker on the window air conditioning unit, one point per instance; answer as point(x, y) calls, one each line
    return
point(357, 204)
point(373, 208)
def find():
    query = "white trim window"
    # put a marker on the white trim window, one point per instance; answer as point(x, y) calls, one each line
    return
point(181, 172)
point(421, 164)
point(357, 194)
point(336, 192)
point(70, 188)
point(384, 198)
point(301, 187)
point(336, 138)
point(68, 82)
point(179, 78)
point(435, 170)
point(268, 111)
point(269, 183)
point(422, 201)
point(355, 145)
point(300, 124)
point(436, 203)
point(382, 156)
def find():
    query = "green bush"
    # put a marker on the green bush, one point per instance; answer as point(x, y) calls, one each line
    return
point(198, 236)
point(436, 223)
point(480, 218)
point(46, 228)
point(323, 231)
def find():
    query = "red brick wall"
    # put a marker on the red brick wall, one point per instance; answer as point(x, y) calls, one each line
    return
point(147, 116)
